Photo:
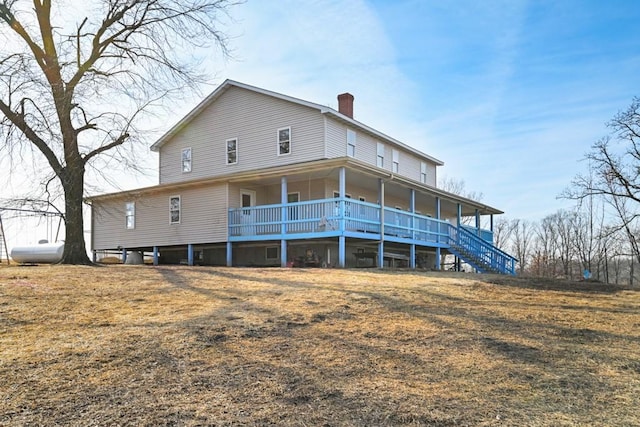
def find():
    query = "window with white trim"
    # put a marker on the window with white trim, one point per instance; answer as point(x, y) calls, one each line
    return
point(130, 215)
point(175, 209)
point(351, 143)
point(380, 156)
point(284, 141)
point(423, 172)
point(186, 160)
point(232, 151)
point(396, 161)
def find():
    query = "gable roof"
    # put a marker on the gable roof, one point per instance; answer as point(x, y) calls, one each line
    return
point(323, 109)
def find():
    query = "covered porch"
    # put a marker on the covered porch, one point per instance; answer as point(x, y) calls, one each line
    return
point(349, 200)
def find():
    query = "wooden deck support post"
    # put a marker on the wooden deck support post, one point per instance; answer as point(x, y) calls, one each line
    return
point(190, 254)
point(457, 260)
point(412, 247)
point(438, 255)
point(156, 255)
point(229, 254)
point(341, 240)
point(283, 226)
point(381, 243)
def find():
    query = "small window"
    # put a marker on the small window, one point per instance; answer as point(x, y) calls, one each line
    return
point(284, 141)
point(271, 253)
point(380, 158)
point(130, 208)
point(174, 209)
point(351, 143)
point(336, 195)
point(396, 161)
point(186, 160)
point(423, 172)
point(232, 151)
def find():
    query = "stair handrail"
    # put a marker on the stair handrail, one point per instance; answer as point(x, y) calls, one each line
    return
point(482, 245)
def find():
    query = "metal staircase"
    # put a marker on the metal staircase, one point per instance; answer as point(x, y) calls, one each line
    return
point(479, 253)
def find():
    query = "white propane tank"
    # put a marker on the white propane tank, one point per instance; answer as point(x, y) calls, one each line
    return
point(44, 253)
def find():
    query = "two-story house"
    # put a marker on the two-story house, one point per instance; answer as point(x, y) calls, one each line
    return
point(251, 177)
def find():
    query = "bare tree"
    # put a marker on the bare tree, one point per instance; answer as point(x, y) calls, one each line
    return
point(628, 222)
point(546, 246)
point(458, 186)
point(502, 233)
point(73, 94)
point(523, 233)
point(614, 172)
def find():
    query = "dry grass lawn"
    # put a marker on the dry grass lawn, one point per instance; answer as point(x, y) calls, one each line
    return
point(135, 345)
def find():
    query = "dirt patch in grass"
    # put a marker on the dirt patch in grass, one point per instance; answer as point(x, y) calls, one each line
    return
point(135, 345)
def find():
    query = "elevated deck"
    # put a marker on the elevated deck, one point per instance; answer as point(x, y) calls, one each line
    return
point(345, 217)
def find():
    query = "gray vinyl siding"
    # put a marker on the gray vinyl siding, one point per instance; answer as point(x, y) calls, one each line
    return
point(270, 194)
point(307, 190)
point(254, 119)
point(391, 198)
point(203, 219)
point(337, 138)
point(409, 166)
point(366, 151)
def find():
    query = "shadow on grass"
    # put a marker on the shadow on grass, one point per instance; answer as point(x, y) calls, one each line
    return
point(547, 284)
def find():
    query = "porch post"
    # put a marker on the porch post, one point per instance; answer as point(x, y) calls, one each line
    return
point(438, 255)
point(283, 226)
point(155, 255)
point(412, 247)
point(341, 240)
point(229, 254)
point(491, 222)
point(381, 243)
point(457, 260)
point(478, 221)
point(190, 254)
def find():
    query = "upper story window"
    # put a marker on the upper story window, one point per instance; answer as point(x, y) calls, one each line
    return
point(130, 215)
point(284, 141)
point(175, 209)
point(186, 160)
point(380, 156)
point(423, 172)
point(232, 151)
point(351, 143)
point(396, 161)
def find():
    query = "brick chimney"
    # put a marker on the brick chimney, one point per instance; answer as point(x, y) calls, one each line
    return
point(345, 104)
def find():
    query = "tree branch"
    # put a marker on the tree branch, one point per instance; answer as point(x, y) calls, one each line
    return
point(19, 121)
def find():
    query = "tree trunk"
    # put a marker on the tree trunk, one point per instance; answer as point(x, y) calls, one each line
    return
point(75, 251)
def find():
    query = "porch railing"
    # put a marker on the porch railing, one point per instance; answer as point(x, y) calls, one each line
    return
point(332, 217)
point(486, 235)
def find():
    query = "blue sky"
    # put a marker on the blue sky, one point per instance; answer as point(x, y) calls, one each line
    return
point(509, 94)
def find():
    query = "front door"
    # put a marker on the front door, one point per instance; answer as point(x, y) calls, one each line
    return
point(247, 200)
